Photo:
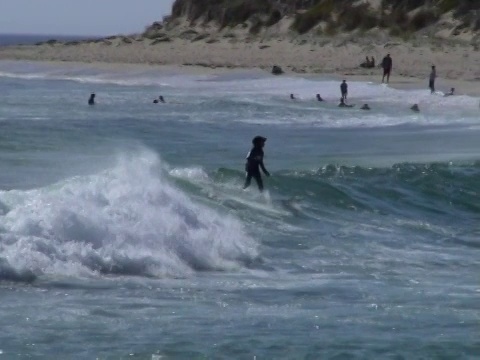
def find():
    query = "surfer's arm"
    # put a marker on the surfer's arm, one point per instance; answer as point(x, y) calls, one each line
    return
point(265, 171)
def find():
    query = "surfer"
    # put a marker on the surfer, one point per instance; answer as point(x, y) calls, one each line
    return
point(91, 100)
point(319, 98)
point(255, 163)
point(292, 97)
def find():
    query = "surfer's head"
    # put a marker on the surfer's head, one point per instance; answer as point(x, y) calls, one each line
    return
point(259, 140)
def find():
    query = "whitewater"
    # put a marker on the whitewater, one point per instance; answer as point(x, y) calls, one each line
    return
point(125, 232)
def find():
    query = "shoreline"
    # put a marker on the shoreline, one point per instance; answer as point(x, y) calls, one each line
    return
point(463, 87)
point(457, 65)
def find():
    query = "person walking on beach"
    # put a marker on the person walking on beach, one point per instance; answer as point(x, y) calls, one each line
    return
point(433, 76)
point(255, 163)
point(387, 67)
point(344, 90)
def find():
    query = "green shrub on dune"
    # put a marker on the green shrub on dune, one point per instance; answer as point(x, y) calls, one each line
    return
point(334, 15)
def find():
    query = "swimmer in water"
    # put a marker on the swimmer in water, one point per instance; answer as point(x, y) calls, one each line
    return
point(255, 163)
point(415, 108)
point(159, 100)
point(365, 107)
point(91, 100)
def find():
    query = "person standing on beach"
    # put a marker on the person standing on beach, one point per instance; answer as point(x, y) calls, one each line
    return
point(344, 90)
point(387, 67)
point(433, 76)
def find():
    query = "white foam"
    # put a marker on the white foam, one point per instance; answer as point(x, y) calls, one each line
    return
point(125, 220)
point(258, 98)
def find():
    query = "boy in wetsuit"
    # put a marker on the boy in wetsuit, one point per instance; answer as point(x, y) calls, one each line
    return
point(255, 163)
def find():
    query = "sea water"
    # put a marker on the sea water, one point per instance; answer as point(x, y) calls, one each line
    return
point(125, 232)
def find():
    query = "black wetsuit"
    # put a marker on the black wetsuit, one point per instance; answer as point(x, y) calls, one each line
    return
point(253, 166)
point(344, 90)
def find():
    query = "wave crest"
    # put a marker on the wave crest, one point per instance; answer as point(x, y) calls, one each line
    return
point(127, 220)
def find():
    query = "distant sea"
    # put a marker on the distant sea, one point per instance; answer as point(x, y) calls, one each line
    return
point(29, 39)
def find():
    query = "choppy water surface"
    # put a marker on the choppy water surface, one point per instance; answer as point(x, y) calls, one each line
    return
point(124, 232)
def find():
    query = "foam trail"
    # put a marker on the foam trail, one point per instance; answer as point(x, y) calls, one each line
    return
point(126, 220)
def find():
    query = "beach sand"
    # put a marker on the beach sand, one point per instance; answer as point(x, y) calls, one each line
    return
point(458, 65)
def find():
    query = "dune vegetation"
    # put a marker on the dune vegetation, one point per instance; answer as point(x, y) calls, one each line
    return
point(327, 17)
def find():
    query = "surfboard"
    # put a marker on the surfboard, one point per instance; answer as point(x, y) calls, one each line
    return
point(261, 202)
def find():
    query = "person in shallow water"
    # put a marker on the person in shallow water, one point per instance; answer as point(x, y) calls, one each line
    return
point(319, 98)
point(343, 104)
point(255, 163)
point(452, 92)
point(415, 108)
point(344, 89)
point(292, 97)
point(91, 100)
point(365, 107)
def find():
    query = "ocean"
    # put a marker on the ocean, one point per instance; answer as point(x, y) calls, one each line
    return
point(125, 232)
point(31, 39)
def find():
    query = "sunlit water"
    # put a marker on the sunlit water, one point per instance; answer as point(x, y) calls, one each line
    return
point(124, 232)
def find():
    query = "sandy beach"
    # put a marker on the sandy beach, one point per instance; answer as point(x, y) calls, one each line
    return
point(458, 65)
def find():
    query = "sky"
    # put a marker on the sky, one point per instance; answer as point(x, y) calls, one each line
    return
point(80, 17)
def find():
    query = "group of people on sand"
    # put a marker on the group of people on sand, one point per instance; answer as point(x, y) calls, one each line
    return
point(387, 64)
point(368, 63)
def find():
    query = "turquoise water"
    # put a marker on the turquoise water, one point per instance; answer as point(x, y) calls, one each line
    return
point(124, 232)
